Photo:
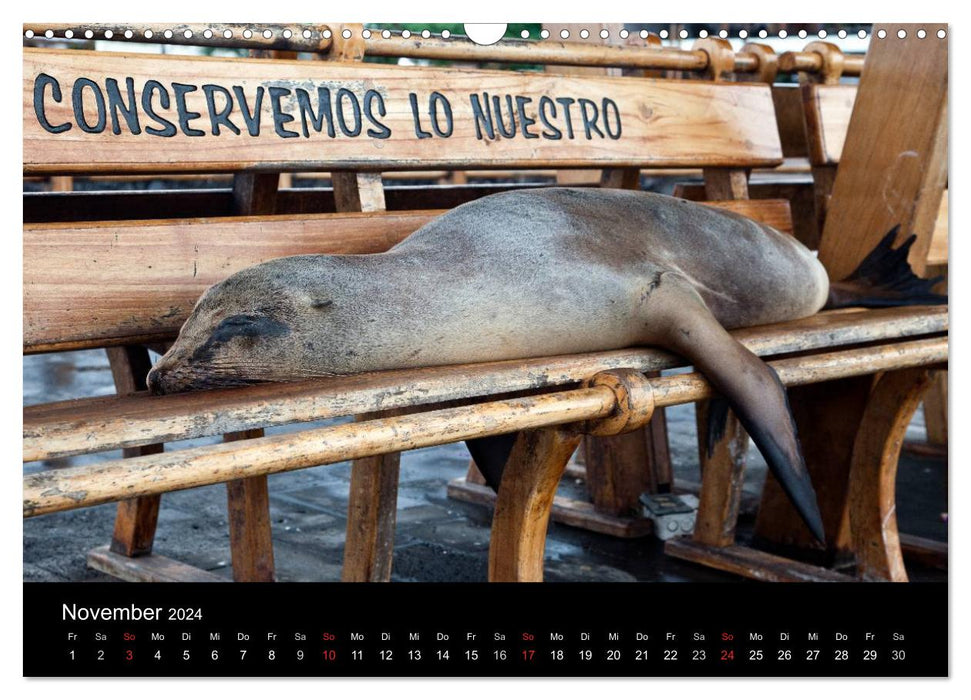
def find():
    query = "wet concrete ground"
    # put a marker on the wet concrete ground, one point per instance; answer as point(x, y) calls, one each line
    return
point(437, 539)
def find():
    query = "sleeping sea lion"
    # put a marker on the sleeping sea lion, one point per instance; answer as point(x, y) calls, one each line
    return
point(531, 273)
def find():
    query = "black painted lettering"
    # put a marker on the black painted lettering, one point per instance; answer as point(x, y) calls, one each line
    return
point(116, 103)
point(186, 116)
point(438, 105)
point(524, 121)
point(252, 119)
point(163, 100)
point(218, 117)
point(77, 101)
point(547, 113)
point(607, 107)
point(279, 116)
point(483, 116)
point(324, 111)
point(590, 121)
point(39, 82)
point(346, 96)
point(497, 110)
point(419, 132)
point(370, 97)
point(566, 102)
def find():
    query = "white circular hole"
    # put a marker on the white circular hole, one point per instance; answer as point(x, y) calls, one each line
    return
point(327, 34)
point(604, 33)
point(405, 34)
point(703, 34)
point(861, 34)
point(723, 33)
point(564, 33)
point(763, 34)
point(742, 34)
point(841, 33)
point(802, 34)
point(109, 33)
point(366, 33)
point(267, 34)
point(644, 34)
point(89, 34)
point(207, 34)
point(247, 34)
point(29, 34)
point(901, 33)
point(69, 34)
point(584, 34)
point(663, 33)
point(545, 34)
point(307, 33)
point(941, 34)
point(446, 34)
point(425, 34)
point(683, 34)
point(149, 33)
point(821, 34)
point(49, 33)
point(624, 33)
point(882, 34)
point(287, 34)
point(783, 33)
point(187, 33)
point(921, 34)
point(386, 34)
point(168, 34)
point(524, 34)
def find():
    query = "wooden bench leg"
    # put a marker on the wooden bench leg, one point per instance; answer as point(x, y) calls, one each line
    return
point(250, 535)
point(722, 475)
point(371, 516)
point(872, 496)
point(524, 502)
point(135, 522)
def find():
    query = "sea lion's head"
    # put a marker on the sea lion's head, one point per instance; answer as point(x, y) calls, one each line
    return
point(258, 325)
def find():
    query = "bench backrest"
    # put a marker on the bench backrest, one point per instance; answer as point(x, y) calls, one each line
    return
point(104, 283)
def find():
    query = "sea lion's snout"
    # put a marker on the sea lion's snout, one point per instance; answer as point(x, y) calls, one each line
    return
point(154, 381)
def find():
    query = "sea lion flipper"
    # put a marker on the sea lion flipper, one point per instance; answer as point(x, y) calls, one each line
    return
point(490, 455)
point(681, 321)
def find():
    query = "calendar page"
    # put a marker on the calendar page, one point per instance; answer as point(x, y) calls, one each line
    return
point(535, 350)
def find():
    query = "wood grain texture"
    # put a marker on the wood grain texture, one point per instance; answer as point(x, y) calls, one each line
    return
point(750, 563)
point(872, 485)
point(79, 487)
point(663, 123)
point(827, 114)
point(151, 568)
point(98, 424)
point(524, 501)
point(141, 279)
point(893, 167)
point(250, 533)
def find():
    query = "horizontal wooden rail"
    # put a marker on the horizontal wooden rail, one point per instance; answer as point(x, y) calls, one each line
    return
point(812, 62)
point(57, 490)
point(94, 425)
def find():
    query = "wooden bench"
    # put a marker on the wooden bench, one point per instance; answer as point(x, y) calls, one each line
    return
point(135, 302)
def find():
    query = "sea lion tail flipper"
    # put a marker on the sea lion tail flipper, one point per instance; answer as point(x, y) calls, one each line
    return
point(680, 320)
point(490, 455)
point(885, 278)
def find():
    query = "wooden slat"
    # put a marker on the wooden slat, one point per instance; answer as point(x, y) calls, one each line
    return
point(658, 123)
point(827, 110)
point(93, 284)
point(85, 486)
point(151, 568)
point(566, 511)
point(751, 563)
point(92, 425)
